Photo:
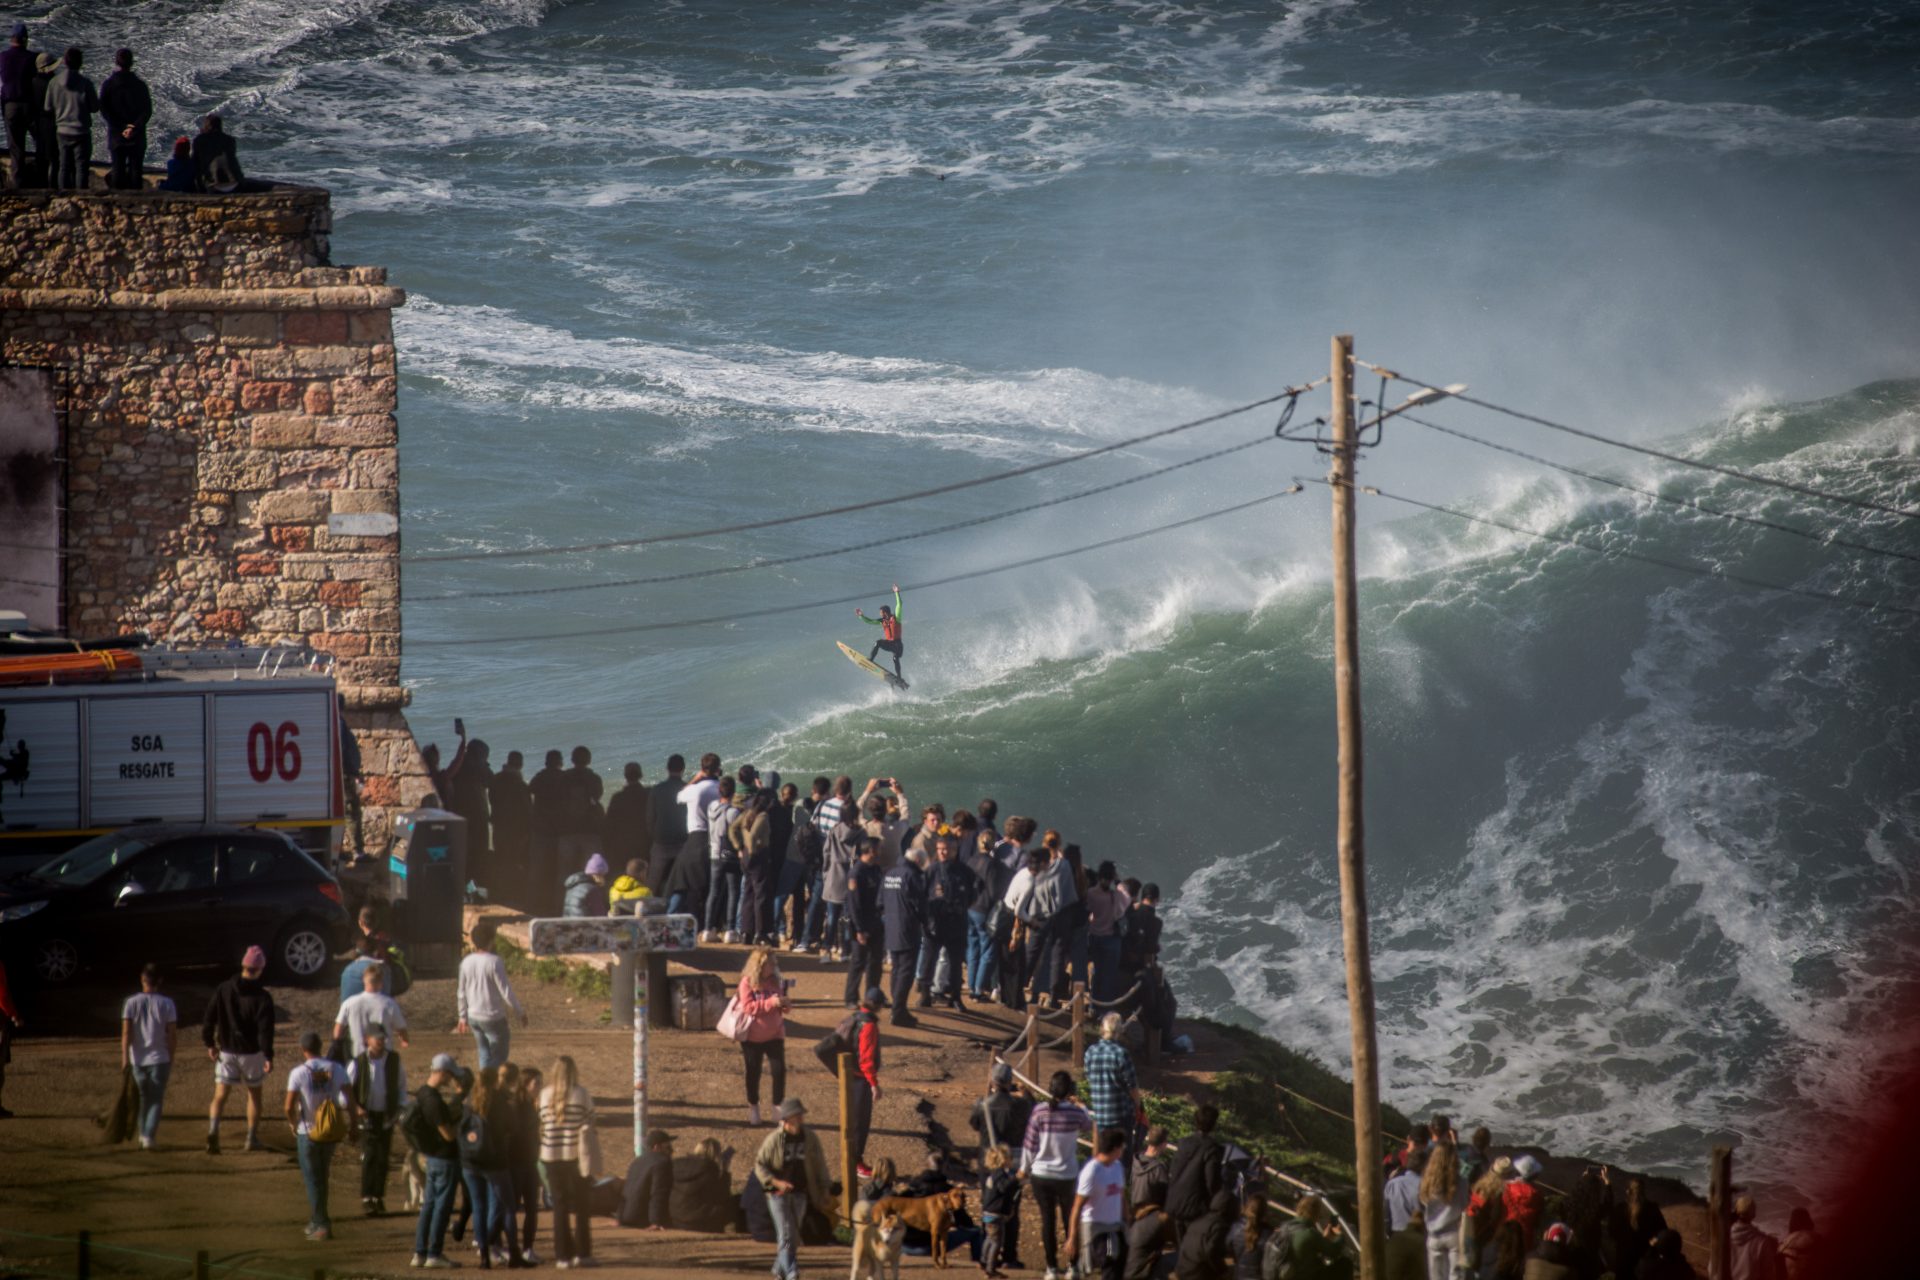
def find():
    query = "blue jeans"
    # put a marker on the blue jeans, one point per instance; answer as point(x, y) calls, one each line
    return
point(490, 1192)
point(152, 1083)
point(723, 897)
point(1106, 967)
point(316, 1163)
point(676, 902)
point(788, 1211)
point(491, 1040)
point(830, 911)
point(436, 1207)
point(982, 956)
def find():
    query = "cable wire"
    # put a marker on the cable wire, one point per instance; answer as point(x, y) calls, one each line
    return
point(778, 610)
point(1697, 505)
point(1675, 565)
point(890, 540)
point(1291, 393)
point(1865, 504)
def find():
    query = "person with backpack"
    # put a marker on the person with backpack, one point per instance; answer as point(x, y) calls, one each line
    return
point(862, 1038)
point(377, 1081)
point(431, 1126)
point(486, 1127)
point(1300, 1249)
point(1198, 1171)
point(1050, 1161)
point(317, 1110)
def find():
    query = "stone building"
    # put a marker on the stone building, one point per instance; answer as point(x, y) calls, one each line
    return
point(226, 396)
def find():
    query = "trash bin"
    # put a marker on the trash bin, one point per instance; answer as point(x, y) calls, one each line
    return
point(427, 883)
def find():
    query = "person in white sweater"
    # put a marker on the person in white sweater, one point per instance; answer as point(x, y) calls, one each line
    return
point(485, 999)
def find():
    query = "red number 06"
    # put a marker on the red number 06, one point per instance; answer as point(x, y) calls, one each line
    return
point(269, 752)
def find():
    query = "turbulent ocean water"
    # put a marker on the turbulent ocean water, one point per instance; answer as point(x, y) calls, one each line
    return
point(1643, 844)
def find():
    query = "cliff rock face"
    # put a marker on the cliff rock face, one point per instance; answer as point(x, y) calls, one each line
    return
point(226, 397)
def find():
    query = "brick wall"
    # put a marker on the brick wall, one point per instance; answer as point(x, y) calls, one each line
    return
point(232, 450)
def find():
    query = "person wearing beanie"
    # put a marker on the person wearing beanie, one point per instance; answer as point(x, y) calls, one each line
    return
point(792, 1167)
point(586, 890)
point(238, 1033)
point(315, 1081)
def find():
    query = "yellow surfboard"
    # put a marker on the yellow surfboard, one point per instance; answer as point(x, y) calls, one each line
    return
point(866, 664)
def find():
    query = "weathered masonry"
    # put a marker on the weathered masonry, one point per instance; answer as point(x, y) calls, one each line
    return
point(197, 418)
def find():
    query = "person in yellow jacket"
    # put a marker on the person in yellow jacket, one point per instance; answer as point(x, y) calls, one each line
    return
point(624, 894)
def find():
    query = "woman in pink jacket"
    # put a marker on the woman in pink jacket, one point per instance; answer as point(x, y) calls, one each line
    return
point(764, 1004)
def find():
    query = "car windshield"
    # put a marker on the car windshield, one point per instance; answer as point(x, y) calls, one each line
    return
point(85, 863)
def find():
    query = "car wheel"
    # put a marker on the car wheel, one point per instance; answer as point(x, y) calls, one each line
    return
point(302, 953)
point(56, 960)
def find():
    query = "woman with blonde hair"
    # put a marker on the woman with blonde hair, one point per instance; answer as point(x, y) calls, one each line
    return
point(763, 1006)
point(566, 1144)
point(1486, 1210)
point(1443, 1197)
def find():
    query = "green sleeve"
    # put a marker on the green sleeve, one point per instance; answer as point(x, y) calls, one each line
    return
point(872, 622)
point(898, 611)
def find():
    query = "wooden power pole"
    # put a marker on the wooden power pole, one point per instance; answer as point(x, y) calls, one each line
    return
point(1367, 1155)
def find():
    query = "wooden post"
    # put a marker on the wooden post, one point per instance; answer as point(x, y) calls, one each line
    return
point(1031, 1068)
point(83, 1255)
point(1352, 839)
point(849, 1183)
point(202, 1265)
point(1079, 1025)
point(1720, 1215)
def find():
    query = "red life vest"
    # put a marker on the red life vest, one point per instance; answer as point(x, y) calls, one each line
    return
point(889, 627)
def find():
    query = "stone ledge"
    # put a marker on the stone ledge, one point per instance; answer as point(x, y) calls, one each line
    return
point(319, 298)
point(372, 697)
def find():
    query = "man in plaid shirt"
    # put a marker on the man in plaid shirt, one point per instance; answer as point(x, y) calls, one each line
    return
point(1111, 1083)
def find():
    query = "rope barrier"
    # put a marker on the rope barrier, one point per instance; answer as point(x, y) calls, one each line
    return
point(95, 1244)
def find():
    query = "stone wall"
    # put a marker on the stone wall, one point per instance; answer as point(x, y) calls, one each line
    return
point(232, 452)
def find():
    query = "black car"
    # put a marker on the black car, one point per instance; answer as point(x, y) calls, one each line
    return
point(177, 895)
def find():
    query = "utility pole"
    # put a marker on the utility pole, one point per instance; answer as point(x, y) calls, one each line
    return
point(1367, 1156)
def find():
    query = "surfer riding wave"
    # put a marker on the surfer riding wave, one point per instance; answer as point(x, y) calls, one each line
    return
point(889, 624)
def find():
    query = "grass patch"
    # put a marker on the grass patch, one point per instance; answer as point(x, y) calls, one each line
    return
point(1257, 1114)
point(586, 981)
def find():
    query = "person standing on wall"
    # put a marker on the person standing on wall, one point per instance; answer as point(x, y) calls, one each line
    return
point(548, 789)
point(126, 105)
point(510, 806)
point(628, 831)
point(668, 820)
point(149, 1037)
point(16, 102)
point(238, 1033)
point(72, 103)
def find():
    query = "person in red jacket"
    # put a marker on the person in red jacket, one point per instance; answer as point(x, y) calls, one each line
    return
point(864, 1032)
point(10, 1021)
point(1523, 1200)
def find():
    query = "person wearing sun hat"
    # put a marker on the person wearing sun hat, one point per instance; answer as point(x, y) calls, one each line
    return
point(238, 1033)
point(792, 1166)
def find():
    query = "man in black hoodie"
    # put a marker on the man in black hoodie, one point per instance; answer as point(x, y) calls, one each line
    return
point(126, 106)
point(669, 823)
point(1197, 1174)
point(238, 1033)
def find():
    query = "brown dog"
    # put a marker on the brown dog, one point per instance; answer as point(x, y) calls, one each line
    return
point(932, 1214)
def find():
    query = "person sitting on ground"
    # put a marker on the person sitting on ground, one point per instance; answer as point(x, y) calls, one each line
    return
point(1666, 1259)
point(1203, 1245)
point(1801, 1249)
point(1407, 1249)
point(216, 156)
point(1753, 1254)
point(702, 1198)
point(585, 890)
point(646, 1201)
point(880, 1181)
point(1554, 1259)
point(1149, 1236)
point(628, 889)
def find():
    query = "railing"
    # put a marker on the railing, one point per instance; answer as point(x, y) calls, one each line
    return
point(200, 1266)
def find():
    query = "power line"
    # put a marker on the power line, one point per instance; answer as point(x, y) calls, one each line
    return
point(1674, 565)
point(1291, 394)
point(777, 610)
point(1809, 535)
point(29, 582)
point(1865, 504)
point(1261, 439)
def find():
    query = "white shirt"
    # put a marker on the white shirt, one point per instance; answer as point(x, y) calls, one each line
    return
point(695, 797)
point(1018, 889)
point(313, 1080)
point(377, 1069)
point(370, 1009)
point(483, 993)
point(1101, 1185)
point(148, 1016)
